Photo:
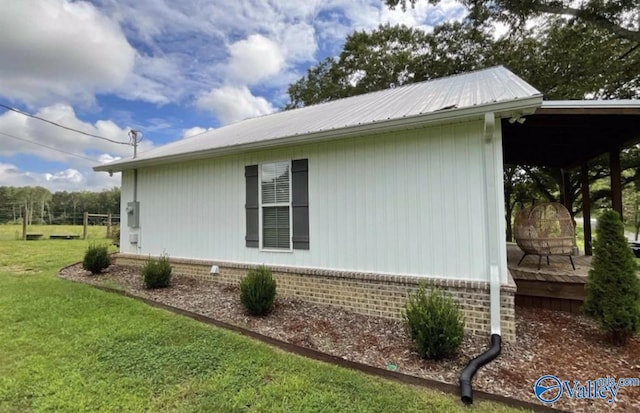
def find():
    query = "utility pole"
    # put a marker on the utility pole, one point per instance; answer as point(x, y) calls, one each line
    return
point(135, 136)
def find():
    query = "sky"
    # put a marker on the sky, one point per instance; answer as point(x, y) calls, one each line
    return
point(169, 69)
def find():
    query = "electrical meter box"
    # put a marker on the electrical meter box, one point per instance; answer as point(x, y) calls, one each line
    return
point(133, 214)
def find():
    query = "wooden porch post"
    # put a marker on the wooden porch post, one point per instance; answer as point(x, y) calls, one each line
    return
point(616, 180)
point(586, 208)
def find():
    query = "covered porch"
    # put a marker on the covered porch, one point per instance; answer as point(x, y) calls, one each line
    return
point(567, 135)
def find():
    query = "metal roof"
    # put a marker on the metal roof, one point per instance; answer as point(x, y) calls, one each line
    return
point(440, 100)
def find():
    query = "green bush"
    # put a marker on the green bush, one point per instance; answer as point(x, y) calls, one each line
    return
point(612, 289)
point(156, 273)
point(434, 322)
point(96, 258)
point(258, 291)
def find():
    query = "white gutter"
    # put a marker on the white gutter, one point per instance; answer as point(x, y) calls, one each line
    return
point(521, 107)
point(601, 104)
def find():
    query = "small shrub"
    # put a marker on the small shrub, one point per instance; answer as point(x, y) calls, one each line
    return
point(96, 258)
point(258, 290)
point(156, 273)
point(612, 289)
point(435, 323)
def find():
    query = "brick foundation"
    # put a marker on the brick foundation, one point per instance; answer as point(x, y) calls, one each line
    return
point(365, 293)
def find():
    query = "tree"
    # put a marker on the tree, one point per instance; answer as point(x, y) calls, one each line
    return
point(618, 17)
point(613, 288)
point(544, 183)
point(571, 60)
point(392, 56)
point(42, 197)
point(563, 60)
point(316, 86)
point(520, 191)
point(384, 58)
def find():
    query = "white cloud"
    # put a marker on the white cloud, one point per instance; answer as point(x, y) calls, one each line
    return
point(56, 48)
point(424, 15)
point(61, 48)
point(106, 158)
point(71, 176)
point(231, 104)
point(186, 48)
point(254, 59)
point(157, 79)
point(298, 41)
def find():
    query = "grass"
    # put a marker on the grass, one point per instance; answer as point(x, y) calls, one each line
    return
point(70, 347)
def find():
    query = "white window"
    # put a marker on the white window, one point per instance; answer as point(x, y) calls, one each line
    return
point(275, 205)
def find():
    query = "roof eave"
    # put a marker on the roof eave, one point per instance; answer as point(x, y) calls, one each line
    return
point(589, 107)
point(521, 107)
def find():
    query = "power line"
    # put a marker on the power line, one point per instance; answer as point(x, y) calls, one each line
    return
point(46, 146)
point(62, 126)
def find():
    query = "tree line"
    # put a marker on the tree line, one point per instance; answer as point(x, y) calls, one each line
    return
point(61, 207)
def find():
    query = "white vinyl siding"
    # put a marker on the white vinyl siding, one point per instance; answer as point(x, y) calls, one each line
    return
point(275, 205)
point(410, 202)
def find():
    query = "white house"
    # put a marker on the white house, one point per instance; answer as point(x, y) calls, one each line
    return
point(351, 202)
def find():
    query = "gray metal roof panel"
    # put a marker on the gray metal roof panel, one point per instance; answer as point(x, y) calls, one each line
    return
point(456, 92)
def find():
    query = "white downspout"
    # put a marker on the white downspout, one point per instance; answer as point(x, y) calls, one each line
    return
point(493, 235)
point(493, 241)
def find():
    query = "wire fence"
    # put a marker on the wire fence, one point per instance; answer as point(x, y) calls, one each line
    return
point(87, 226)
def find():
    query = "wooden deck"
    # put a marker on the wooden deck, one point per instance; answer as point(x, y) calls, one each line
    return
point(555, 286)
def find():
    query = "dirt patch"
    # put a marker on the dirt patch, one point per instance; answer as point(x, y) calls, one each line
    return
point(568, 346)
point(18, 269)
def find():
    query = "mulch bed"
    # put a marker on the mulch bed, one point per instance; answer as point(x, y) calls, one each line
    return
point(568, 346)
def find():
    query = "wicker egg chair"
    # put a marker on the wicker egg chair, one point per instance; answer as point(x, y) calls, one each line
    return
point(545, 229)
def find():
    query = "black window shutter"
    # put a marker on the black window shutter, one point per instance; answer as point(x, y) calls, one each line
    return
point(252, 237)
point(300, 203)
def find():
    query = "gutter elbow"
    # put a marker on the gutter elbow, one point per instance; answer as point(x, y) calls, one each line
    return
point(466, 390)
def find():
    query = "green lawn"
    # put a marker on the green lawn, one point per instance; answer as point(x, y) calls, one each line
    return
point(70, 347)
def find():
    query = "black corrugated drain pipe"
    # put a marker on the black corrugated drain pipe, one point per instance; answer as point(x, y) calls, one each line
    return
point(466, 392)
